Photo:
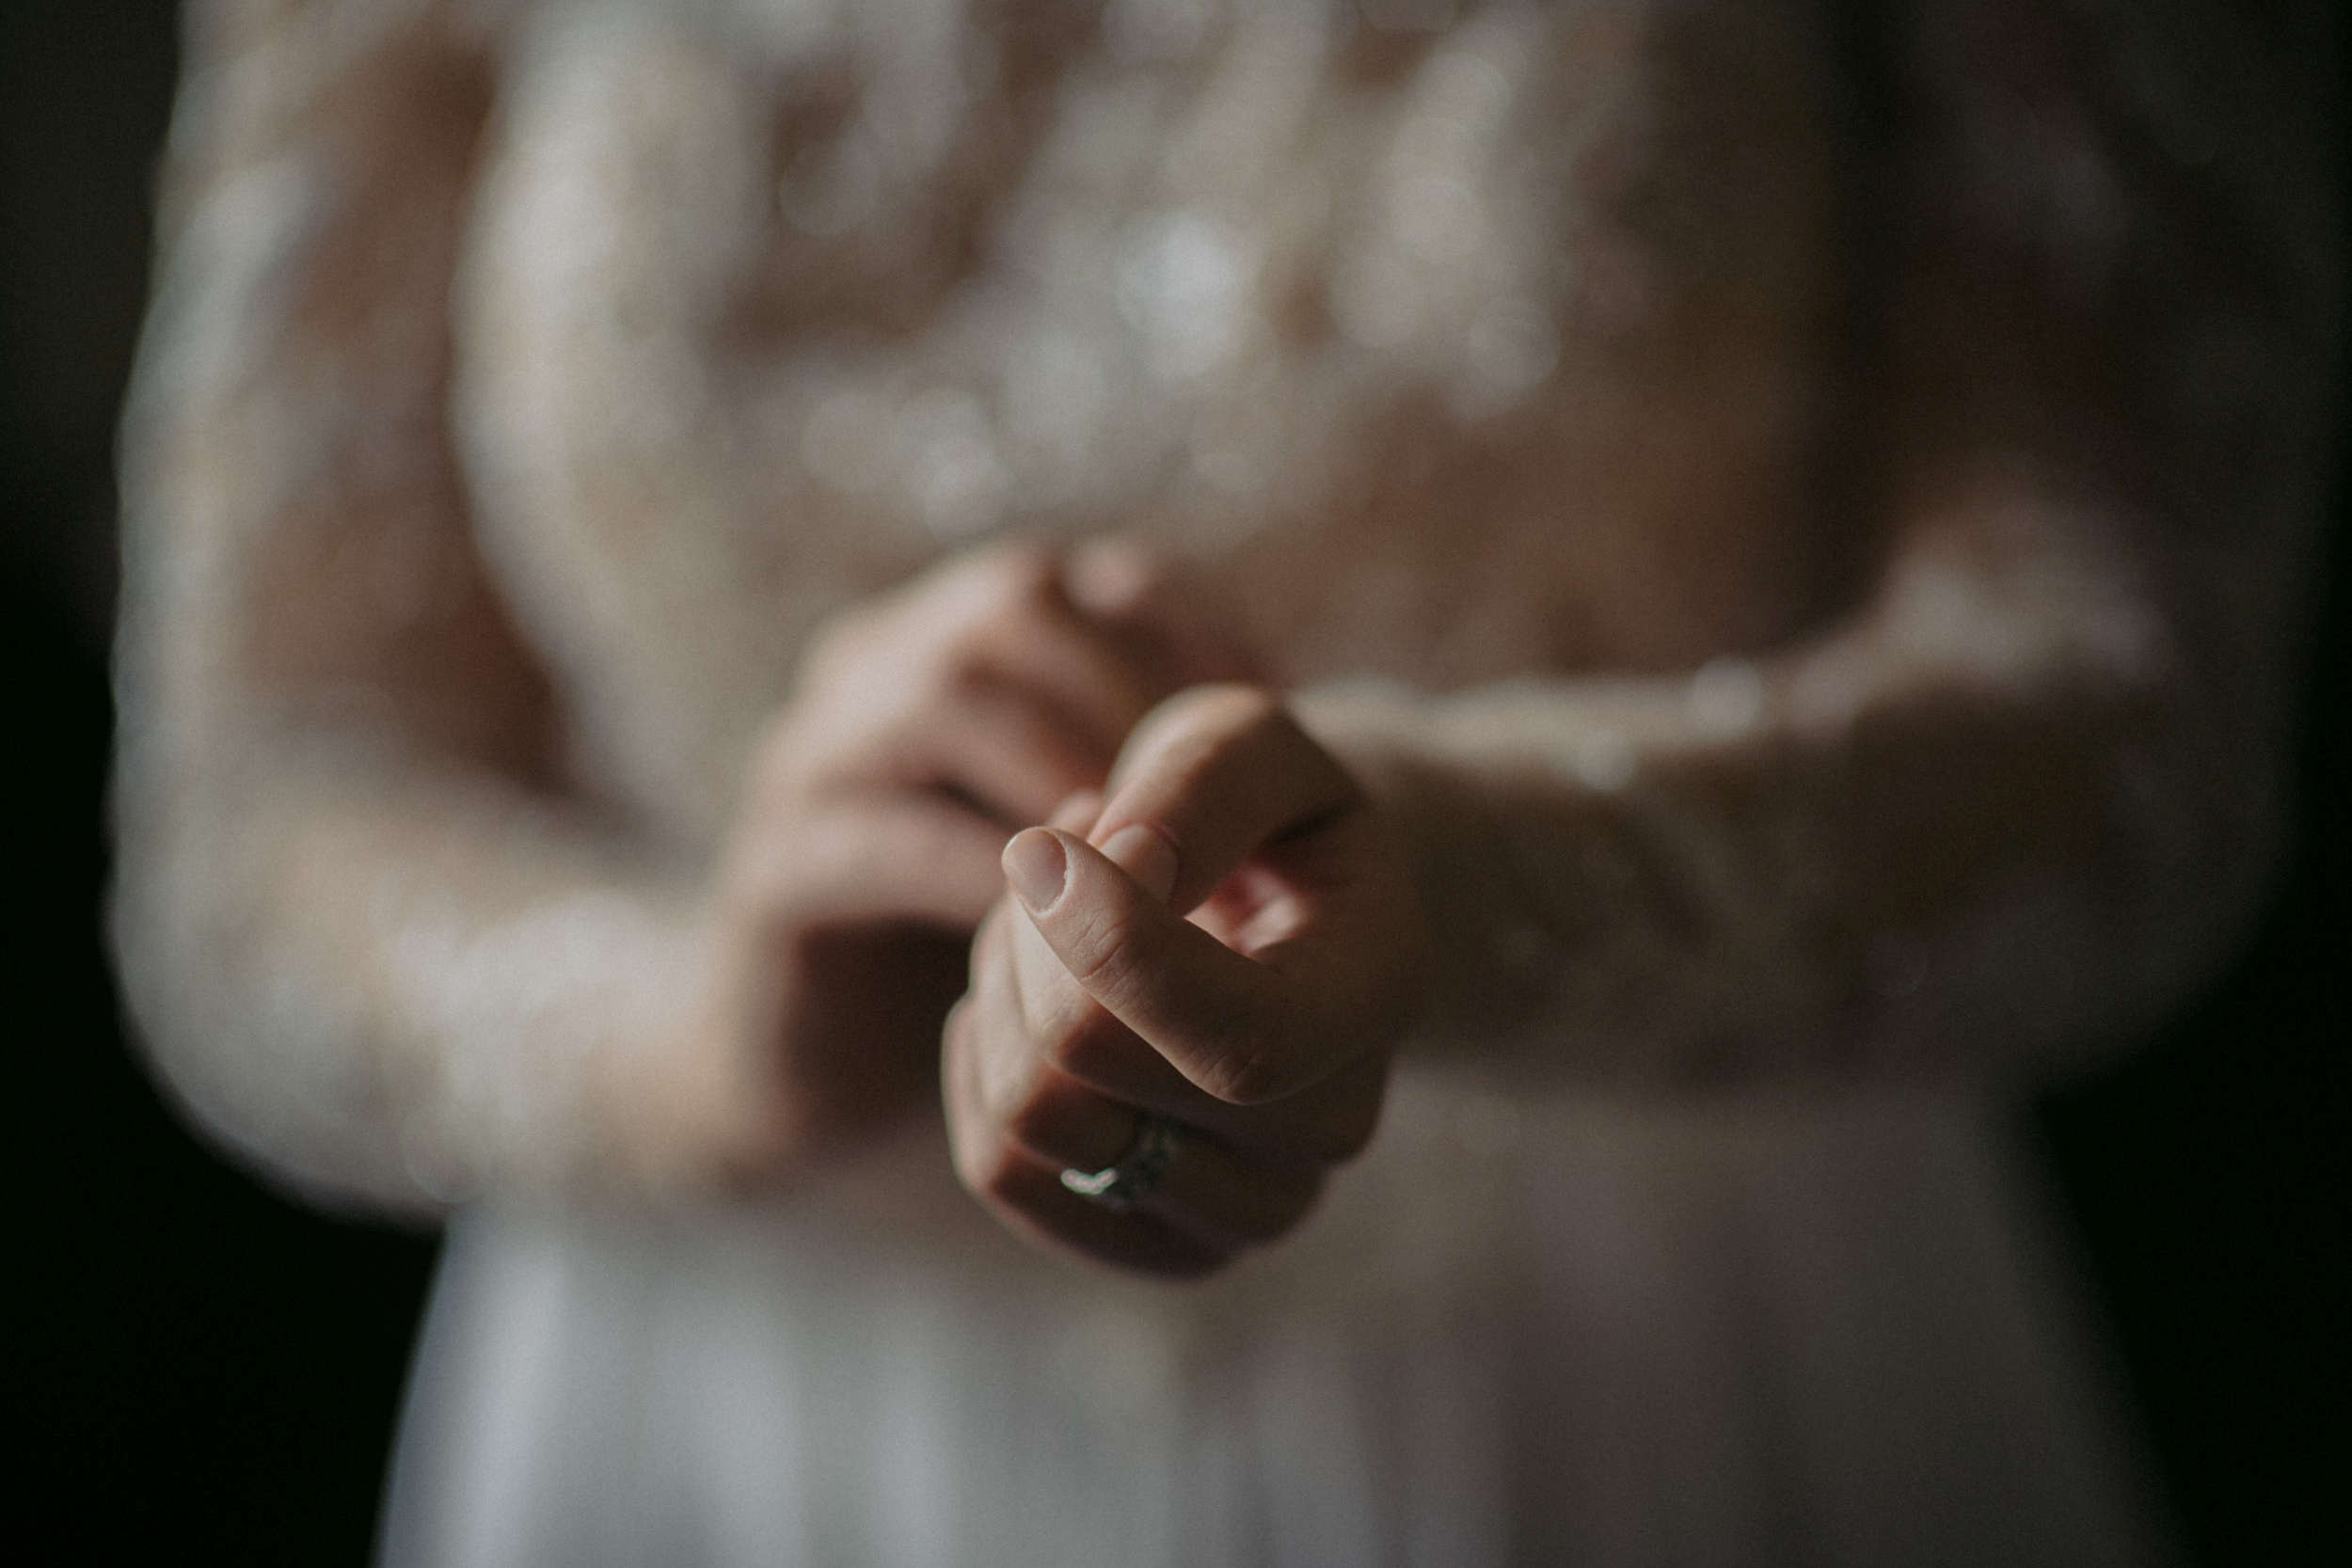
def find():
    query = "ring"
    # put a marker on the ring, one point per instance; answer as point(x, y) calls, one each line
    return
point(1130, 1179)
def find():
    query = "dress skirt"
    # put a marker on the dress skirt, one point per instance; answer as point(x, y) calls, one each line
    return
point(1544, 1328)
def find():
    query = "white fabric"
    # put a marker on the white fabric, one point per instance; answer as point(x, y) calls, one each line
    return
point(1547, 1331)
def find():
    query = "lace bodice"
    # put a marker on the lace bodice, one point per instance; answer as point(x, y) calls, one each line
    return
point(766, 306)
point(1800, 515)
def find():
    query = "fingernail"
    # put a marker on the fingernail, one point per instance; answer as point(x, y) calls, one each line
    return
point(1145, 854)
point(1036, 865)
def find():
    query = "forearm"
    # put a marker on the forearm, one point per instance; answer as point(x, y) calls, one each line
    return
point(2021, 798)
point(369, 932)
point(401, 985)
point(1938, 840)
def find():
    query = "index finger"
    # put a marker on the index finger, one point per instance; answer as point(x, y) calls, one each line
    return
point(1246, 1028)
point(1218, 771)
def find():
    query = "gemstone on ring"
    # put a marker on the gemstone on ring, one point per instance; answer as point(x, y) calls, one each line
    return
point(1130, 1178)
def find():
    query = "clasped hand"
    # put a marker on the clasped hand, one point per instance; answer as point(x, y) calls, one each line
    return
point(1230, 942)
point(1223, 934)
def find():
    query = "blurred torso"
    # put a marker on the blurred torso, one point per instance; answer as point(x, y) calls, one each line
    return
point(1449, 349)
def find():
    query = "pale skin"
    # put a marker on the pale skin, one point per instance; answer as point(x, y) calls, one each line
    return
point(1263, 1026)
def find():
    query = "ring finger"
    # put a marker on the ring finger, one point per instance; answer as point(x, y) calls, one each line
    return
point(1210, 1190)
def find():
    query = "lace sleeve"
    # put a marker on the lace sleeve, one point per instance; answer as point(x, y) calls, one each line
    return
point(2022, 799)
point(368, 939)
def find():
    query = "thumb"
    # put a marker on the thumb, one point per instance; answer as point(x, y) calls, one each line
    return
point(1216, 1016)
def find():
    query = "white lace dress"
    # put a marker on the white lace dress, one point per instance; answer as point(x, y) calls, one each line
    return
point(1799, 516)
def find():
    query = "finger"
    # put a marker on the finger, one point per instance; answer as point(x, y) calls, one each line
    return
point(888, 858)
point(1117, 580)
point(1050, 1013)
point(1004, 1062)
point(1043, 644)
point(1244, 1029)
point(1230, 1194)
point(1009, 756)
point(1187, 635)
point(1218, 771)
point(1026, 1191)
point(996, 623)
point(1211, 1191)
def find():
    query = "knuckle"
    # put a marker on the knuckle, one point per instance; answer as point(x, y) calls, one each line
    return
point(1244, 1078)
point(1015, 577)
point(1092, 943)
point(1149, 572)
point(1236, 704)
point(1216, 713)
point(1251, 718)
point(1120, 578)
point(1260, 1062)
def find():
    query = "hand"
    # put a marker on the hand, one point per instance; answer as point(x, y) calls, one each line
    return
point(1263, 1024)
point(925, 727)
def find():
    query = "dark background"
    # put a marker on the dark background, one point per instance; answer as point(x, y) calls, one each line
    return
point(198, 1370)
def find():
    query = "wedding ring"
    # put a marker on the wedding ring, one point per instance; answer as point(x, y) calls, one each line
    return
point(1130, 1178)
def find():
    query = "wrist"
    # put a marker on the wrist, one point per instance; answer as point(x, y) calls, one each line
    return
point(686, 1102)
